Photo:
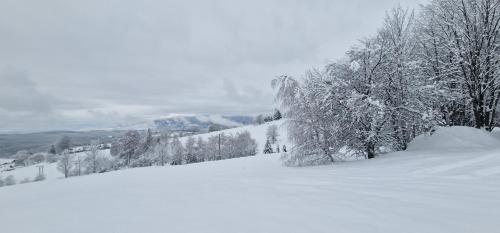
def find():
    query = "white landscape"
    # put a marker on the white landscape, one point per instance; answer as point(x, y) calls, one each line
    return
point(325, 116)
point(447, 182)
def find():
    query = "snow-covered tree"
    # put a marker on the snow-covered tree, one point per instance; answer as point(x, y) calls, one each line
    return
point(130, 143)
point(191, 150)
point(21, 158)
point(146, 144)
point(201, 150)
point(37, 158)
point(461, 41)
point(272, 134)
point(268, 149)
point(277, 115)
point(161, 153)
point(259, 119)
point(65, 163)
point(244, 145)
point(177, 150)
point(92, 159)
point(78, 165)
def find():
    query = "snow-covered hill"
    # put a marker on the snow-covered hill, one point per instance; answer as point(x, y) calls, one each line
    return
point(420, 190)
point(49, 169)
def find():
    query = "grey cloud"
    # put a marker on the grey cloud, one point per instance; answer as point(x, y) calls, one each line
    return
point(100, 63)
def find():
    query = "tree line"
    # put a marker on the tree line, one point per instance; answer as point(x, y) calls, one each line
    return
point(136, 150)
point(435, 67)
point(132, 151)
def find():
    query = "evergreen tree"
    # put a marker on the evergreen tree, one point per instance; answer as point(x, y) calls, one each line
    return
point(277, 115)
point(268, 149)
point(52, 150)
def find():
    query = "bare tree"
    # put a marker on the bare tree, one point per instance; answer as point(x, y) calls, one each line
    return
point(92, 159)
point(272, 134)
point(65, 162)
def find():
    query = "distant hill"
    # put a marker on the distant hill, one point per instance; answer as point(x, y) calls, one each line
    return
point(200, 123)
point(36, 142)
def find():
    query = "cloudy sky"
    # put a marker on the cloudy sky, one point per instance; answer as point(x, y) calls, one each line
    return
point(97, 64)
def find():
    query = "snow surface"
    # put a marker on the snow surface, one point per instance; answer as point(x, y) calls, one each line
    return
point(419, 190)
point(30, 172)
point(49, 169)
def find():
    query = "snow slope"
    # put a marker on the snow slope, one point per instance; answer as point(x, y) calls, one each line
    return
point(30, 172)
point(50, 169)
point(417, 191)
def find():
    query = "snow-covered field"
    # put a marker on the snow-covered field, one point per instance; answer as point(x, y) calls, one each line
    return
point(443, 183)
point(49, 169)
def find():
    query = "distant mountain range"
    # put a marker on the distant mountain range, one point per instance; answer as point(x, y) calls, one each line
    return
point(200, 123)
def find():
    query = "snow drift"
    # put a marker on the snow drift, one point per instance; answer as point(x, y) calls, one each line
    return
point(454, 138)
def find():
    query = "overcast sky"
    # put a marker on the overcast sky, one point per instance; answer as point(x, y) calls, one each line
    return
point(95, 64)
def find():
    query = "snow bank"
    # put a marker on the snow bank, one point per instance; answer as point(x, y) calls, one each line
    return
point(454, 139)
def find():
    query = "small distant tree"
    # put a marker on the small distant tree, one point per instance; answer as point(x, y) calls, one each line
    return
point(116, 148)
point(177, 151)
point(130, 143)
point(21, 158)
point(268, 118)
point(147, 143)
point(245, 145)
point(37, 158)
point(78, 164)
point(64, 163)
point(201, 150)
point(161, 152)
point(268, 149)
point(52, 150)
point(63, 144)
point(191, 151)
point(272, 134)
point(92, 159)
point(259, 119)
point(277, 115)
point(10, 180)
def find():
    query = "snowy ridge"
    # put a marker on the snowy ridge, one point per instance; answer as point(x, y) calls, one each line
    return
point(420, 190)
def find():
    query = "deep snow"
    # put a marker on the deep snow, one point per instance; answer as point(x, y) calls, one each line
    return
point(419, 190)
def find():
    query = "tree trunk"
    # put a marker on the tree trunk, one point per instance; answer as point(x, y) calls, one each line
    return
point(370, 151)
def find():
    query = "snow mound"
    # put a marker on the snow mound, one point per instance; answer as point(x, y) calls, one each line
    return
point(454, 138)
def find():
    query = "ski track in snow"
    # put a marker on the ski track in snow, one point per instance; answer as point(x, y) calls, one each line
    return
point(413, 191)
